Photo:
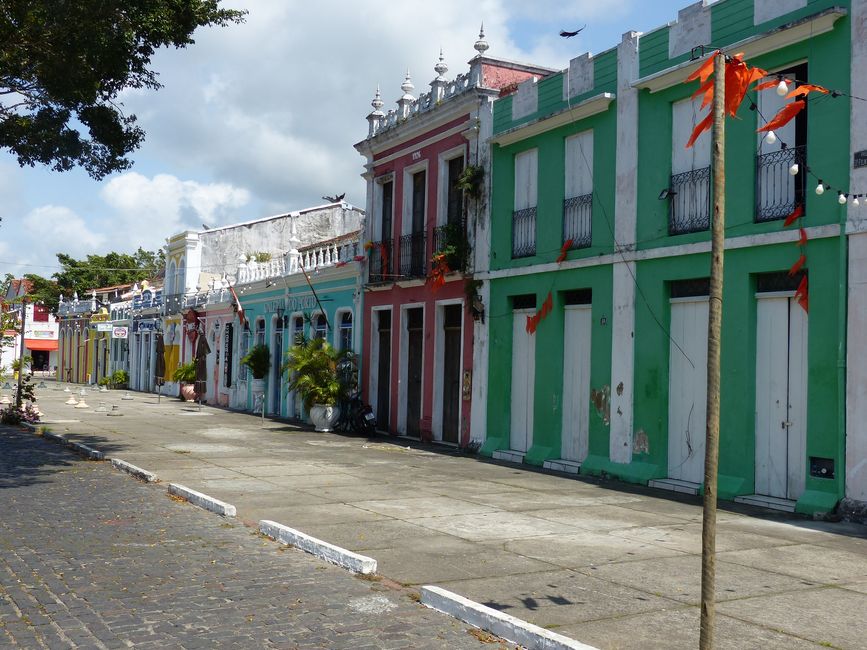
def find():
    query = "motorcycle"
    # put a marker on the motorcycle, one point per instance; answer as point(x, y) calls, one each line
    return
point(356, 417)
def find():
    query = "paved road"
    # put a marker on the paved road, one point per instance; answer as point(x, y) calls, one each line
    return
point(91, 558)
point(611, 565)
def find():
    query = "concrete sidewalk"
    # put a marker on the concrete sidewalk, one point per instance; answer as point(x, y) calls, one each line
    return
point(611, 565)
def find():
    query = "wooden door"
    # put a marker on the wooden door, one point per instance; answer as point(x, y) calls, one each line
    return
point(576, 382)
point(414, 363)
point(687, 389)
point(276, 362)
point(781, 397)
point(523, 381)
point(383, 370)
point(452, 317)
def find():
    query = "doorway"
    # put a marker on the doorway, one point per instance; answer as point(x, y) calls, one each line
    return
point(523, 381)
point(781, 396)
point(414, 365)
point(383, 368)
point(451, 379)
point(576, 382)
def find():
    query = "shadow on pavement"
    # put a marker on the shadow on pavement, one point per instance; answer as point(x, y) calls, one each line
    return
point(25, 459)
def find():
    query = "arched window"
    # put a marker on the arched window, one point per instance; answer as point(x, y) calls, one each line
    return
point(297, 329)
point(170, 278)
point(344, 341)
point(260, 331)
point(320, 326)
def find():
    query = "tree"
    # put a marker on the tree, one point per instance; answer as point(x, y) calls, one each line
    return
point(63, 64)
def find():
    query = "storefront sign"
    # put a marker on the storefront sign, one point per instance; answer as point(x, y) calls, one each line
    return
point(120, 333)
point(273, 306)
point(104, 327)
point(859, 159)
point(99, 318)
point(41, 334)
point(143, 325)
point(300, 303)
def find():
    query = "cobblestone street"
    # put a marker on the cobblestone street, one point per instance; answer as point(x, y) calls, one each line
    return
point(91, 558)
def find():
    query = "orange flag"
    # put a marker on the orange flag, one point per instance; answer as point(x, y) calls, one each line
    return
point(801, 295)
point(805, 89)
point(563, 250)
point(704, 70)
point(784, 116)
point(700, 128)
point(797, 265)
point(796, 213)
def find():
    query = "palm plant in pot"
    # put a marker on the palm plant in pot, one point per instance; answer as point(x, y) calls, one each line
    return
point(316, 371)
point(185, 375)
point(258, 360)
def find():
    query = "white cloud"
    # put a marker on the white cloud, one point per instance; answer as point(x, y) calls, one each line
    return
point(147, 210)
point(56, 228)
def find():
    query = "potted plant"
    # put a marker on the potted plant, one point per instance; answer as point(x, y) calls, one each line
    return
point(258, 360)
point(119, 379)
point(185, 375)
point(317, 373)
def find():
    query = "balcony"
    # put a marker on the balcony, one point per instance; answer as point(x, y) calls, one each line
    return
point(380, 262)
point(577, 221)
point(777, 190)
point(412, 255)
point(524, 233)
point(173, 303)
point(451, 239)
point(689, 202)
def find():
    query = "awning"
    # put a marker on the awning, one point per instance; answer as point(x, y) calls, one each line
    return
point(40, 344)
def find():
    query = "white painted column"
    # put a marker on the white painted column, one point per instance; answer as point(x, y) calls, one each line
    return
point(625, 217)
point(480, 154)
point(856, 362)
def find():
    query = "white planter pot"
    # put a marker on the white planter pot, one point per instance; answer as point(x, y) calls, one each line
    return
point(258, 386)
point(324, 417)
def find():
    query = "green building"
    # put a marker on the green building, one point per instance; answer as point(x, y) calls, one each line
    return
point(600, 259)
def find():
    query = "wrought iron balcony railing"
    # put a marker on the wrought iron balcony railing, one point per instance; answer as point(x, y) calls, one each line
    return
point(380, 261)
point(689, 202)
point(412, 255)
point(577, 221)
point(452, 237)
point(173, 303)
point(778, 191)
point(524, 232)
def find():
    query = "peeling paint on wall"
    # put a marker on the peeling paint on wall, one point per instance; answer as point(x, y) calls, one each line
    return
point(601, 400)
point(641, 443)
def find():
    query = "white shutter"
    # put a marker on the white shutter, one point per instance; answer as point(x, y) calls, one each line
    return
point(579, 164)
point(770, 103)
point(526, 172)
point(685, 115)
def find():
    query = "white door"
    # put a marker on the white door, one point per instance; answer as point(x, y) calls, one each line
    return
point(523, 381)
point(687, 389)
point(576, 382)
point(781, 397)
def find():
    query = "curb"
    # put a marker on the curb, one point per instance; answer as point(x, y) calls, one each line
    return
point(496, 622)
point(329, 552)
point(84, 450)
point(202, 500)
point(56, 437)
point(138, 472)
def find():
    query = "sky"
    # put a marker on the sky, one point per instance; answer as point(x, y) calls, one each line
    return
point(260, 118)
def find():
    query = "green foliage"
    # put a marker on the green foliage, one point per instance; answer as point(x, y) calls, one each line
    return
point(455, 247)
point(16, 364)
point(185, 373)
point(471, 180)
point(260, 256)
point(258, 360)
point(105, 381)
point(318, 372)
point(64, 64)
point(8, 323)
point(42, 290)
point(14, 415)
point(119, 379)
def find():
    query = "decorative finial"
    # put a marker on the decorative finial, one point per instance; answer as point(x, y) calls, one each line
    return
point(481, 45)
point(407, 86)
point(441, 68)
point(377, 100)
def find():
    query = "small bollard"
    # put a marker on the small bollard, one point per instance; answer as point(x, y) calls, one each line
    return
point(115, 410)
point(101, 408)
point(81, 404)
point(71, 401)
point(127, 396)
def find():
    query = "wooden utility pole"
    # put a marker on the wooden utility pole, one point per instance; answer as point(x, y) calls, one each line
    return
point(23, 322)
point(711, 455)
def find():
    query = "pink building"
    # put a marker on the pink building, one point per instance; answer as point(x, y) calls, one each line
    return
point(426, 230)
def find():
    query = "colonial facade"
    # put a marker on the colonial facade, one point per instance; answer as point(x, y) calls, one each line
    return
point(426, 167)
point(254, 283)
point(40, 332)
point(600, 261)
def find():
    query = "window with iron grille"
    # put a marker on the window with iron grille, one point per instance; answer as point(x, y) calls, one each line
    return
point(346, 330)
point(578, 202)
point(689, 186)
point(320, 327)
point(524, 215)
point(781, 166)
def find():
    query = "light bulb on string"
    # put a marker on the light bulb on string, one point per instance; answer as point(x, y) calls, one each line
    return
point(771, 137)
point(855, 201)
point(794, 169)
point(820, 188)
point(841, 198)
point(782, 87)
